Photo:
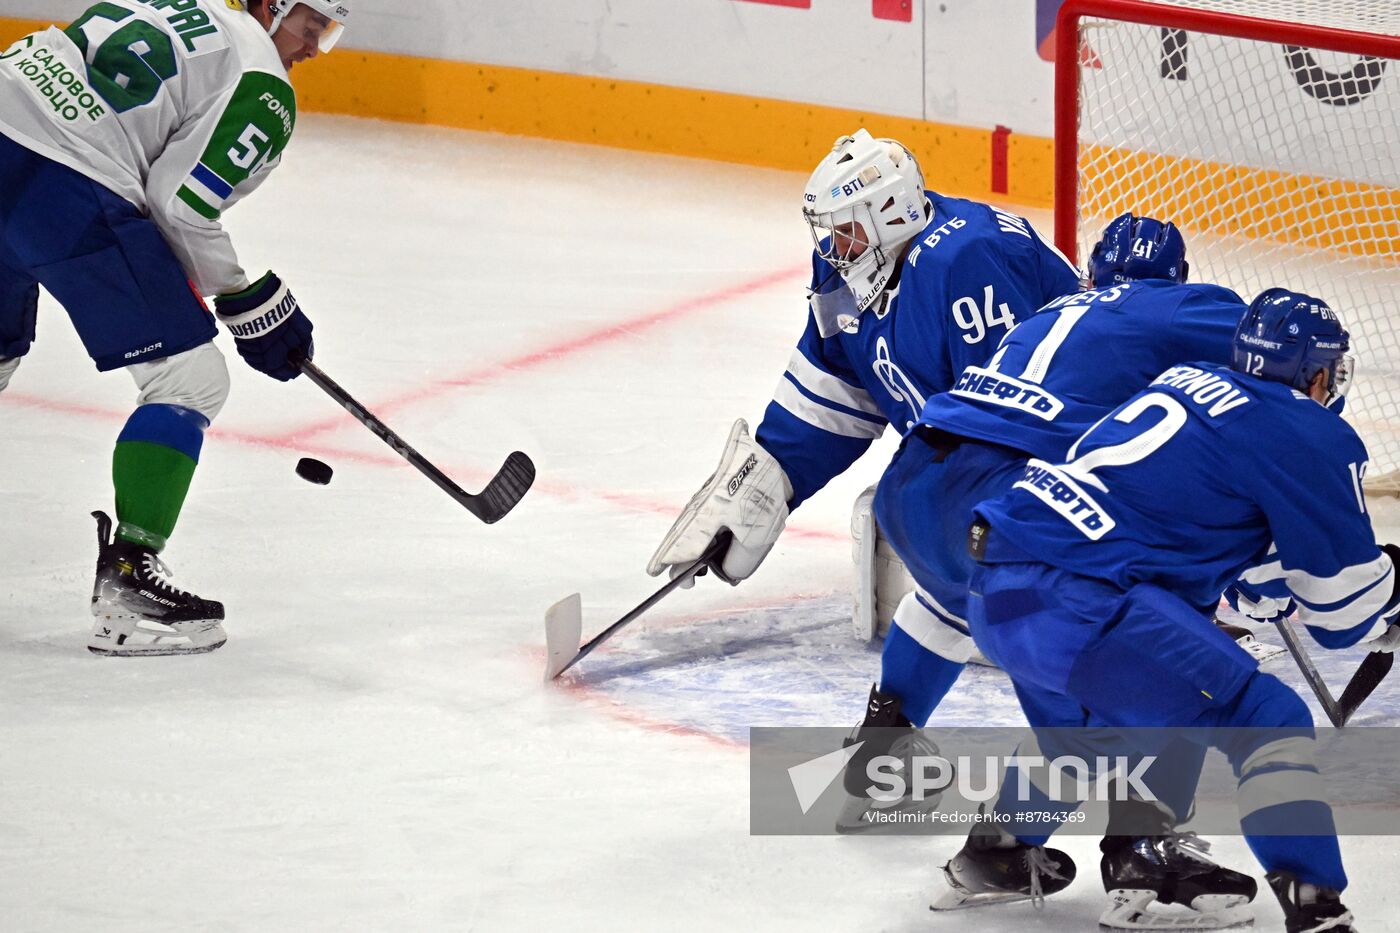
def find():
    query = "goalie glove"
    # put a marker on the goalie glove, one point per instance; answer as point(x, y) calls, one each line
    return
point(747, 494)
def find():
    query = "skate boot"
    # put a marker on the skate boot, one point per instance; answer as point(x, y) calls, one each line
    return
point(136, 612)
point(885, 731)
point(1172, 868)
point(994, 867)
point(1308, 908)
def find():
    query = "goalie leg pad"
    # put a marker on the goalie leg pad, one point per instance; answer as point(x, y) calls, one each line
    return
point(747, 494)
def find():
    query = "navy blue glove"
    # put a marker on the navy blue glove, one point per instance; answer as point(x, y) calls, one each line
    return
point(268, 328)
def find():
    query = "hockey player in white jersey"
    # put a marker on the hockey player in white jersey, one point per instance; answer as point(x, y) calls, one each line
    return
point(123, 139)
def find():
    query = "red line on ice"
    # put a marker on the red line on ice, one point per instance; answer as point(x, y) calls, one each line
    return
point(560, 349)
point(472, 477)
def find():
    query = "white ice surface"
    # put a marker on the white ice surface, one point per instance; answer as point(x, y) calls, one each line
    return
point(373, 749)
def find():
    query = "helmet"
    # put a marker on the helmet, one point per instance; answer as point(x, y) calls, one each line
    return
point(337, 11)
point(1137, 248)
point(1289, 337)
point(864, 201)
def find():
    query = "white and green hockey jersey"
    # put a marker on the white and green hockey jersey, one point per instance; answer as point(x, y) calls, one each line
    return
point(180, 106)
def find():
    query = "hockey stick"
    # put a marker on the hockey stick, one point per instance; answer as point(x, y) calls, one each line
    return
point(563, 621)
point(499, 496)
point(1310, 674)
point(1363, 683)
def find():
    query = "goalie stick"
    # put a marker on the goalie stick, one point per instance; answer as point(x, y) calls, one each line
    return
point(563, 621)
point(498, 497)
point(1363, 683)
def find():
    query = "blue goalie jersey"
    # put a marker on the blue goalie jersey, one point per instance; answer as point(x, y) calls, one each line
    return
point(972, 273)
point(1207, 475)
point(1066, 367)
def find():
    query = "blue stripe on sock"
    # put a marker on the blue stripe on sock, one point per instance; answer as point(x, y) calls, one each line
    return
point(171, 426)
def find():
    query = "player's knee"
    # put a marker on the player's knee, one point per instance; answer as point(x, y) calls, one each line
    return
point(7, 369)
point(196, 379)
point(1267, 703)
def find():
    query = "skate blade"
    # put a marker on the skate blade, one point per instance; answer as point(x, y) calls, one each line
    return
point(856, 815)
point(1131, 910)
point(1262, 652)
point(957, 899)
point(115, 637)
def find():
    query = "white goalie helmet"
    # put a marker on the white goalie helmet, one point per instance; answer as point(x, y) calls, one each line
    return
point(337, 11)
point(863, 203)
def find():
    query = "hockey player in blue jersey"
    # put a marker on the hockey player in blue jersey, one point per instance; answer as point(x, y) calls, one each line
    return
point(1098, 574)
point(1049, 380)
point(909, 287)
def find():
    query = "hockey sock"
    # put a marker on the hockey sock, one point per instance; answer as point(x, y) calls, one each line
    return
point(152, 467)
point(918, 676)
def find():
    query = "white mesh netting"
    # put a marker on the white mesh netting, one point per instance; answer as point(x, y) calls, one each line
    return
point(1281, 163)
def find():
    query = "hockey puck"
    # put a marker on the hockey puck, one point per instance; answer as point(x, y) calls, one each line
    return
point(313, 471)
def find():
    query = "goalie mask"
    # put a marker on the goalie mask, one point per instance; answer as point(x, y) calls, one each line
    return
point(336, 13)
point(1134, 248)
point(1290, 337)
point(863, 203)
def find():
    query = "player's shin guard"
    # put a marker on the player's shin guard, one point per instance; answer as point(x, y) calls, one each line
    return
point(1281, 796)
point(925, 652)
point(7, 369)
point(152, 466)
point(919, 677)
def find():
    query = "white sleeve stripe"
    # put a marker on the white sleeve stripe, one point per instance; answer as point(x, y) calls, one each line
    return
point(1348, 615)
point(824, 384)
point(828, 419)
point(1352, 582)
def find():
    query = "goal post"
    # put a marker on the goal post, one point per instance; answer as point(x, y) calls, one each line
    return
point(1269, 131)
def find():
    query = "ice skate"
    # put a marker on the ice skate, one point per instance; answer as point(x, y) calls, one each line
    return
point(885, 731)
point(995, 868)
point(1308, 908)
point(136, 612)
point(1166, 882)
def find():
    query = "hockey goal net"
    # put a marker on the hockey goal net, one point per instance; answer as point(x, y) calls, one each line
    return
point(1269, 131)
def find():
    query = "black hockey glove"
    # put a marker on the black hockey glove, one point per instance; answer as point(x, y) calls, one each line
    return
point(268, 328)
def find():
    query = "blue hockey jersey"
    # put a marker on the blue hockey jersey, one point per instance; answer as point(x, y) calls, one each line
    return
point(1066, 367)
point(1206, 475)
point(972, 273)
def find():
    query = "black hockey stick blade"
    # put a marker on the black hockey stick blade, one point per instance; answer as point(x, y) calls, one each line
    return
point(563, 622)
point(1364, 682)
point(498, 497)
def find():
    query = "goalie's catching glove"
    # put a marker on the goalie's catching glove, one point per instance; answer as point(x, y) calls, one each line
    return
point(747, 494)
point(268, 328)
